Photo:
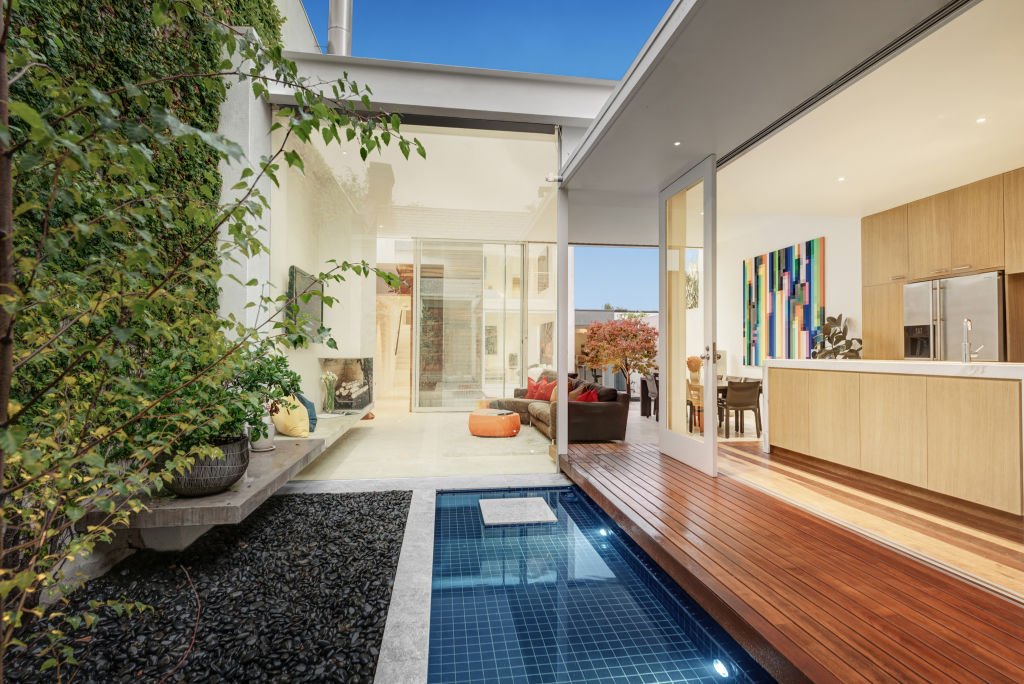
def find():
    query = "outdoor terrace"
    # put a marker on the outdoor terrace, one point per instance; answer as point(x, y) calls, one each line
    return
point(809, 599)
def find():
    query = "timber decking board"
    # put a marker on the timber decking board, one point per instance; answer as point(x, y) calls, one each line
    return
point(825, 481)
point(835, 605)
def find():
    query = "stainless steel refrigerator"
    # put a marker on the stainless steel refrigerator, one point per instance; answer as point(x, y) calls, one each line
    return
point(934, 313)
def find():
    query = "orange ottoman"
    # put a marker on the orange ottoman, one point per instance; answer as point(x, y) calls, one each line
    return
point(494, 423)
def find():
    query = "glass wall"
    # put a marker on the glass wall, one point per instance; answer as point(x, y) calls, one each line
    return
point(480, 325)
point(482, 292)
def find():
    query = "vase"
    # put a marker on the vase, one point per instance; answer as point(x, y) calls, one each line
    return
point(211, 476)
point(267, 443)
point(328, 397)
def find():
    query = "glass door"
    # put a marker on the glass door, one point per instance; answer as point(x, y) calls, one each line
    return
point(467, 324)
point(686, 343)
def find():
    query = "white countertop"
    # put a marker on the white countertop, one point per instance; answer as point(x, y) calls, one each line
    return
point(977, 369)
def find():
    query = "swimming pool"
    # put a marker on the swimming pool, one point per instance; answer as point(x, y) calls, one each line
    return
point(570, 601)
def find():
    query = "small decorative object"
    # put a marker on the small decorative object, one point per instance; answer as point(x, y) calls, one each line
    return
point(329, 380)
point(212, 476)
point(833, 343)
point(693, 364)
point(265, 443)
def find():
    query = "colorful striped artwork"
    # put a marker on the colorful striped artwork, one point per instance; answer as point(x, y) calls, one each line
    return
point(783, 302)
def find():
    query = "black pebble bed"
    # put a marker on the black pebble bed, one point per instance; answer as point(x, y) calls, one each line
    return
point(299, 591)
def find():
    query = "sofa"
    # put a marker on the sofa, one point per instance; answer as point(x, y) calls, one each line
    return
point(601, 421)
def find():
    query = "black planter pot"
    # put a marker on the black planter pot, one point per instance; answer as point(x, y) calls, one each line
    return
point(212, 476)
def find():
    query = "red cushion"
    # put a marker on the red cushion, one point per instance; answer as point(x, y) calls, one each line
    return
point(544, 390)
point(531, 388)
point(588, 396)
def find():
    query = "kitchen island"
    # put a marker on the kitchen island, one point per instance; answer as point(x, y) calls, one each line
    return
point(944, 427)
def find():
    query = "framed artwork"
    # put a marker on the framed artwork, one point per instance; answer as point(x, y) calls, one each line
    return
point(783, 302)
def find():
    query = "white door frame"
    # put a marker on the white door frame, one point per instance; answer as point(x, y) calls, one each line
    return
point(700, 454)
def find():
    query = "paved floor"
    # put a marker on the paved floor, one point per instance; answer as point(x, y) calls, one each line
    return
point(398, 443)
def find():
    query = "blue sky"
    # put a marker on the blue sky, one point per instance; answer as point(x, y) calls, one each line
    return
point(621, 276)
point(595, 38)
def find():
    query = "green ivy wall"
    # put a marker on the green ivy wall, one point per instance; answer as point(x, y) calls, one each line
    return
point(110, 41)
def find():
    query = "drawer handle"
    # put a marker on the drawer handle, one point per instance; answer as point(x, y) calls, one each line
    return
point(940, 270)
point(902, 277)
point(962, 268)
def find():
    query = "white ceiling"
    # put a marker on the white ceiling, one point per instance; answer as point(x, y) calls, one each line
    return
point(905, 131)
point(715, 72)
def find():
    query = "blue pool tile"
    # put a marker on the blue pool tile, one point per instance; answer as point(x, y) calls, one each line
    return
point(571, 601)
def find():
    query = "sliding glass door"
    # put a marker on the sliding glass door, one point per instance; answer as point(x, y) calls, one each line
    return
point(469, 328)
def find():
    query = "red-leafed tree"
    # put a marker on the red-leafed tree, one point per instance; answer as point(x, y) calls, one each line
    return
point(629, 345)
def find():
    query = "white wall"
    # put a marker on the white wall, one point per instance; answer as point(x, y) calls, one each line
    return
point(743, 236)
point(609, 218)
point(312, 222)
point(297, 34)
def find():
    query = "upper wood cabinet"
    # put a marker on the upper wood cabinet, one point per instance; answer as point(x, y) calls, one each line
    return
point(929, 236)
point(1013, 220)
point(883, 239)
point(976, 218)
point(882, 322)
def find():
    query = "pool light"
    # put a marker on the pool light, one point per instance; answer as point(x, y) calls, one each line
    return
point(604, 532)
point(720, 668)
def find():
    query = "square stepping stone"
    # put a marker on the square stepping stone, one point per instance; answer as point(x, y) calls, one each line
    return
point(532, 509)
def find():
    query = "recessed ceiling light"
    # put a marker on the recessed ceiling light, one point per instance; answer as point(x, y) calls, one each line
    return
point(842, 178)
point(981, 119)
point(677, 143)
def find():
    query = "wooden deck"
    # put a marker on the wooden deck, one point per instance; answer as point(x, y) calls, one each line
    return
point(808, 599)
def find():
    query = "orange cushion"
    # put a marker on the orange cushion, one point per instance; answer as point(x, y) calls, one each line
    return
point(531, 388)
point(544, 390)
point(493, 423)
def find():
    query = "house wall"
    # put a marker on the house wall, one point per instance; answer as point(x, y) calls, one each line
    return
point(296, 33)
point(743, 236)
point(312, 222)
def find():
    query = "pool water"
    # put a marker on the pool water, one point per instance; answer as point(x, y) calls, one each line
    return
point(571, 601)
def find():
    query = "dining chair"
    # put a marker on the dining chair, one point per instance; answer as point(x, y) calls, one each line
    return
point(694, 406)
point(740, 397)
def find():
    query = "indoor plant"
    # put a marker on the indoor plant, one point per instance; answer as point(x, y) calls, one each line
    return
point(832, 342)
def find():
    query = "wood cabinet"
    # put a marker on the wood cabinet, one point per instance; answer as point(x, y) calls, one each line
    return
point(1013, 221)
point(958, 436)
point(976, 221)
point(884, 246)
point(929, 236)
point(974, 442)
point(834, 417)
point(889, 446)
point(789, 412)
point(882, 322)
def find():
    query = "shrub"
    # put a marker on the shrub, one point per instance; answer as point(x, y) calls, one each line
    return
point(114, 366)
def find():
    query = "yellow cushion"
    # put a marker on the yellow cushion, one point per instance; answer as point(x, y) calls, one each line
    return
point(291, 418)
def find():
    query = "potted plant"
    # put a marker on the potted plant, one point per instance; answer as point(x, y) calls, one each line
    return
point(833, 341)
point(267, 374)
point(330, 381)
point(238, 401)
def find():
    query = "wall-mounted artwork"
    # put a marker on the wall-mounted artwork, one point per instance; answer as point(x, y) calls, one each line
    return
point(783, 302)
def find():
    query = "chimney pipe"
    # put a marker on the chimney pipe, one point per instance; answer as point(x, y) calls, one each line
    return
point(339, 27)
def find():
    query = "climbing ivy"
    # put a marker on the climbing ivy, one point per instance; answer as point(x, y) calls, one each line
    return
point(110, 42)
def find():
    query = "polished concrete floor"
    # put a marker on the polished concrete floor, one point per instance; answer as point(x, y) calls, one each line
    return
point(397, 443)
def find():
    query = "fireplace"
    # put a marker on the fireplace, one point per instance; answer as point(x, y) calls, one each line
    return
point(353, 390)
